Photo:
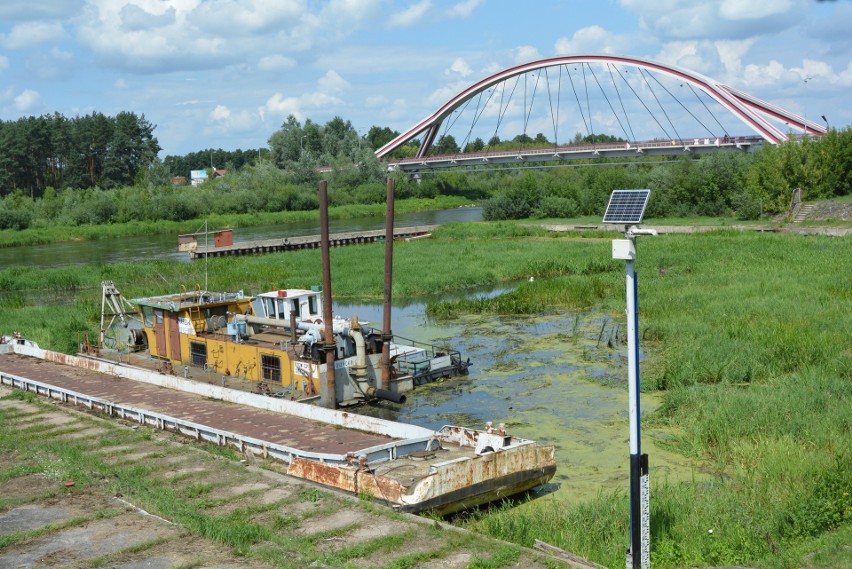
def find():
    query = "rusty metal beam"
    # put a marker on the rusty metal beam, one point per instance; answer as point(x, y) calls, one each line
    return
point(329, 396)
point(386, 325)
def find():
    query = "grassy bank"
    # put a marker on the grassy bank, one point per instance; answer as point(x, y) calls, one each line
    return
point(748, 335)
point(53, 234)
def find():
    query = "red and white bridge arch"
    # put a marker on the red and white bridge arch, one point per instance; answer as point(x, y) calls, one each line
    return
point(757, 114)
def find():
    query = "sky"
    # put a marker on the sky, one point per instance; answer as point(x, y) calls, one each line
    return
point(227, 73)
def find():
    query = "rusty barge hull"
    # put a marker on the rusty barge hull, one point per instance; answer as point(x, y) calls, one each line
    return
point(410, 468)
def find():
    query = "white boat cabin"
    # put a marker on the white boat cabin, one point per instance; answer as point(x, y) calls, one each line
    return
point(278, 304)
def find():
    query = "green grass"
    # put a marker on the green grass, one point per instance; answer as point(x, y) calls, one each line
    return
point(747, 334)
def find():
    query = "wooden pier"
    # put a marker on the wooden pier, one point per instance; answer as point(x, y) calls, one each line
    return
point(308, 242)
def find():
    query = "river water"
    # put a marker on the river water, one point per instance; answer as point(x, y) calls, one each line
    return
point(147, 247)
point(554, 379)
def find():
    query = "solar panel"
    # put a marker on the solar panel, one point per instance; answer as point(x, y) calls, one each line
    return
point(626, 206)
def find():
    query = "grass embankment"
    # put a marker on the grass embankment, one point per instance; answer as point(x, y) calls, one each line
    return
point(57, 233)
point(749, 336)
point(752, 345)
point(203, 495)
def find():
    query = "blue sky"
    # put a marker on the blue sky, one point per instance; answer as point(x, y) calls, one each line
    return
point(226, 73)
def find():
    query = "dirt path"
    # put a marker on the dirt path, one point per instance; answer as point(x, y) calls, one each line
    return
point(79, 491)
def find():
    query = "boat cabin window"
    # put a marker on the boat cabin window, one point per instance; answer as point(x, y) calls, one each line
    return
point(148, 316)
point(312, 305)
point(270, 367)
point(198, 353)
point(269, 307)
point(295, 308)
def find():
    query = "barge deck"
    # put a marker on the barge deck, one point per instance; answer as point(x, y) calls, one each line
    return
point(410, 468)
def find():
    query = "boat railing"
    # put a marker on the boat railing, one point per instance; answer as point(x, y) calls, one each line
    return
point(415, 364)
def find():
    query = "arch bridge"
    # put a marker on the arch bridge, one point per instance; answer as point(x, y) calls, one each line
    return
point(582, 107)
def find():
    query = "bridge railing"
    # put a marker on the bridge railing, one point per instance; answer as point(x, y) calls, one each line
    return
point(584, 148)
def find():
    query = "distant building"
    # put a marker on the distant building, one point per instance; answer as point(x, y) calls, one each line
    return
point(198, 177)
point(201, 176)
point(178, 180)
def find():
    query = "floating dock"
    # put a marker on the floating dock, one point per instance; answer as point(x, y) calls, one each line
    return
point(308, 242)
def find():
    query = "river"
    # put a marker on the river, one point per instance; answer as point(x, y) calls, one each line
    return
point(164, 246)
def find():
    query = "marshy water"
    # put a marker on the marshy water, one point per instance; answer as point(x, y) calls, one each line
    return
point(558, 379)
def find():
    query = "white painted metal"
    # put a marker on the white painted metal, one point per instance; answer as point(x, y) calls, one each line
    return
point(312, 412)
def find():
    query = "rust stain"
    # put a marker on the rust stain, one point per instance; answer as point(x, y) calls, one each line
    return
point(323, 473)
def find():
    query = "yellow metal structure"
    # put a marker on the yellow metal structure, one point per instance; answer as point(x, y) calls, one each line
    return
point(199, 329)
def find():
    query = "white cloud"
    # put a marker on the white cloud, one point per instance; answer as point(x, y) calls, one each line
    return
point(459, 67)
point(120, 84)
point(4, 62)
point(27, 100)
point(220, 113)
point(30, 34)
point(412, 15)
point(744, 10)
point(716, 19)
point(280, 106)
point(331, 82)
point(464, 9)
point(731, 54)
point(226, 121)
point(276, 63)
point(592, 39)
point(153, 36)
point(136, 18)
point(443, 94)
point(526, 53)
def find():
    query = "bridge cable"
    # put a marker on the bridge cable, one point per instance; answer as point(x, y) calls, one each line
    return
point(532, 100)
point(665, 114)
point(712, 114)
point(588, 105)
point(479, 114)
point(684, 106)
point(577, 97)
point(558, 104)
point(615, 114)
point(638, 98)
point(473, 122)
point(550, 99)
point(621, 102)
point(504, 110)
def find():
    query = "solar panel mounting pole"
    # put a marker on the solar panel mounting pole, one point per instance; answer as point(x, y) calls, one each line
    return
point(628, 207)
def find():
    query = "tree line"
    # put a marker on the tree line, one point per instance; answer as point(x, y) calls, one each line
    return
point(53, 151)
point(97, 169)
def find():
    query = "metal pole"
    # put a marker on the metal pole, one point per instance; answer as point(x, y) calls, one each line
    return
point(386, 325)
point(328, 391)
point(206, 252)
point(639, 554)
